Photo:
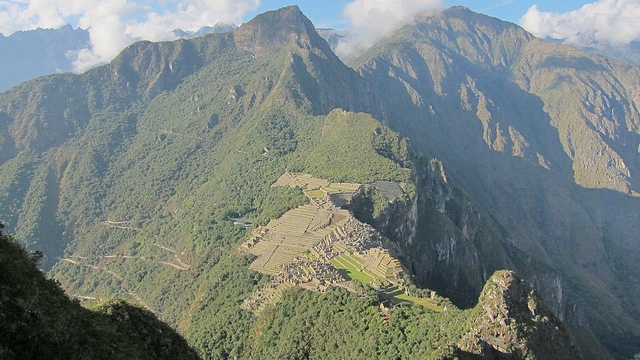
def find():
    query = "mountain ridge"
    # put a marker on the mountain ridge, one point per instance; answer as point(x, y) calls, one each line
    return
point(28, 54)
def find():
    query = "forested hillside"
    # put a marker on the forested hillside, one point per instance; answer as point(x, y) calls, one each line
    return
point(40, 322)
point(140, 180)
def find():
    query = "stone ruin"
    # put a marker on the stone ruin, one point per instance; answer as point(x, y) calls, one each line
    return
point(314, 275)
point(317, 227)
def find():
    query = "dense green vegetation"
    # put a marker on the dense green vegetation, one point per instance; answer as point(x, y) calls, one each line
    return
point(355, 148)
point(38, 321)
point(369, 206)
point(303, 325)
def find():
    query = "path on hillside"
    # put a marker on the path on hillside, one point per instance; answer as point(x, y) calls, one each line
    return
point(132, 294)
point(74, 260)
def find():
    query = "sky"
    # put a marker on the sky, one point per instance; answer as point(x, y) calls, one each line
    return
point(114, 24)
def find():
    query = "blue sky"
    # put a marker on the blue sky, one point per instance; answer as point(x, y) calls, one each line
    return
point(114, 24)
point(327, 13)
point(513, 10)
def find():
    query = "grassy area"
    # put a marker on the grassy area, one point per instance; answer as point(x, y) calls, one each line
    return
point(332, 190)
point(337, 188)
point(353, 259)
point(349, 271)
point(314, 193)
point(426, 302)
point(352, 268)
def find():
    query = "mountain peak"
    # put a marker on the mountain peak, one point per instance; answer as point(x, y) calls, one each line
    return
point(511, 312)
point(458, 8)
point(273, 29)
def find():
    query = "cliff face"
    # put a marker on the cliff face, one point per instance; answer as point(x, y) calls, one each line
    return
point(438, 230)
point(453, 248)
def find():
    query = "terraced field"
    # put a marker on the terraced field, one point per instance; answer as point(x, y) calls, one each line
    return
point(303, 181)
point(351, 269)
point(292, 234)
point(356, 267)
point(322, 231)
point(380, 270)
point(318, 190)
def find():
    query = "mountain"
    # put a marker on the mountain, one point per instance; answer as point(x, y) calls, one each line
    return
point(542, 139)
point(472, 147)
point(627, 52)
point(217, 28)
point(333, 36)
point(29, 54)
point(40, 321)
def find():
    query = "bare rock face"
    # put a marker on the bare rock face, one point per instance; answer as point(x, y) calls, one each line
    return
point(273, 30)
point(514, 323)
point(438, 187)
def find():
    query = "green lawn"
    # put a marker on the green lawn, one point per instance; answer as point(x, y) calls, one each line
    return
point(349, 271)
point(426, 302)
point(352, 268)
point(356, 261)
point(316, 194)
point(332, 190)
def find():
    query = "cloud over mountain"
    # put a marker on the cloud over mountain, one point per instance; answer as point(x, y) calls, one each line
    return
point(371, 20)
point(604, 21)
point(115, 24)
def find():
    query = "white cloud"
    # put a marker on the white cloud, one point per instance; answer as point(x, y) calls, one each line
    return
point(371, 20)
point(604, 21)
point(114, 24)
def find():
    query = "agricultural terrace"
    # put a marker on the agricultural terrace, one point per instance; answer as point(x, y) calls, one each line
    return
point(380, 270)
point(320, 191)
point(319, 244)
point(285, 238)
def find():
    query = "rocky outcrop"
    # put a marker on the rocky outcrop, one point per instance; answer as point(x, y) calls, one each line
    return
point(513, 322)
point(275, 29)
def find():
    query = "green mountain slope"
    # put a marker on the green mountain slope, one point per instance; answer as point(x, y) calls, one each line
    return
point(296, 328)
point(156, 151)
point(40, 322)
point(542, 139)
point(128, 178)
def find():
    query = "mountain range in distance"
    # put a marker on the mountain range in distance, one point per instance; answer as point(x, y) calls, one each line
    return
point(32, 53)
point(29, 54)
point(473, 148)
